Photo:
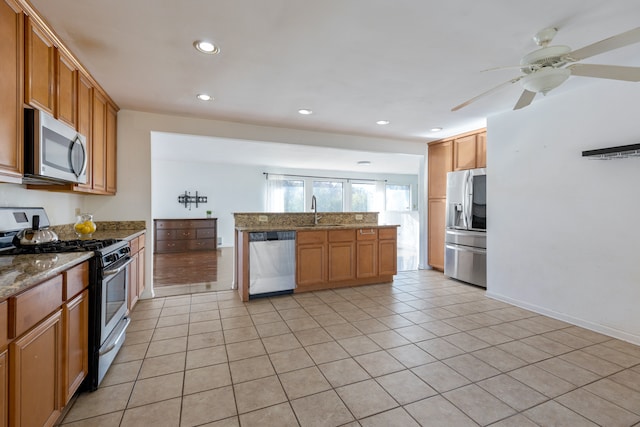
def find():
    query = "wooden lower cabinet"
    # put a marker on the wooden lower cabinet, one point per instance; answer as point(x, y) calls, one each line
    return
point(35, 375)
point(311, 258)
point(342, 255)
point(4, 388)
point(75, 315)
point(387, 252)
point(136, 271)
point(367, 250)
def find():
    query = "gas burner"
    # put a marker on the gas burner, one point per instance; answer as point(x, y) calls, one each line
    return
point(63, 246)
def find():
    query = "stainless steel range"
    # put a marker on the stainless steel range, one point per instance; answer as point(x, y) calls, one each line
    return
point(108, 281)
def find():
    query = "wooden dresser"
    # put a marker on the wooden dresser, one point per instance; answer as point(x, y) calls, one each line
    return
point(185, 235)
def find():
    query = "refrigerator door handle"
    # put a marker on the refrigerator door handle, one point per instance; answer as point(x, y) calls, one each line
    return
point(465, 201)
point(462, 248)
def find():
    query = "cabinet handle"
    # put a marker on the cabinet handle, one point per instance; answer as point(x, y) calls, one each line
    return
point(371, 231)
point(186, 234)
point(171, 244)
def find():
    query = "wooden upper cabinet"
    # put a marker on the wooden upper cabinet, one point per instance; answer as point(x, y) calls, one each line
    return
point(481, 150)
point(111, 148)
point(464, 153)
point(99, 147)
point(84, 106)
point(11, 91)
point(440, 162)
point(67, 89)
point(39, 61)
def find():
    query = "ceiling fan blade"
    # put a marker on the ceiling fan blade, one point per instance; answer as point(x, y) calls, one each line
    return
point(611, 43)
point(525, 99)
point(475, 98)
point(615, 72)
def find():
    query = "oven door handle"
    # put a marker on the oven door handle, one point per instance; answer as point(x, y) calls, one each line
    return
point(112, 343)
point(106, 273)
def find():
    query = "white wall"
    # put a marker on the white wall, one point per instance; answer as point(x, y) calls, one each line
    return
point(60, 207)
point(563, 234)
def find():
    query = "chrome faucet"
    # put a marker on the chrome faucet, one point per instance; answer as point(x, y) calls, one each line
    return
point(314, 208)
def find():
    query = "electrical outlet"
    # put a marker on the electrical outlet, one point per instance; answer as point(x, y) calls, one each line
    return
point(359, 217)
point(77, 211)
point(263, 218)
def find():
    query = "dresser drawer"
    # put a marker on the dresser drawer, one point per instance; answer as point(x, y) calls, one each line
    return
point(161, 225)
point(165, 234)
point(185, 234)
point(205, 233)
point(201, 244)
point(171, 245)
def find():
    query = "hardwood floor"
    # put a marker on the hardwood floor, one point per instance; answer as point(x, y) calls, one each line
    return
point(192, 272)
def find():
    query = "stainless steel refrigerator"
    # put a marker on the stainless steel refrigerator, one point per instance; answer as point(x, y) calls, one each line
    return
point(465, 255)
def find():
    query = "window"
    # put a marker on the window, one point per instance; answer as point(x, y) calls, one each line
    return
point(328, 195)
point(398, 197)
point(285, 195)
point(362, 197)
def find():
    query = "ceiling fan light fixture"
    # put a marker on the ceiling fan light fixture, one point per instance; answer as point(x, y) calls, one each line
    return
point(545, 79)
point(436, 129)
point(204, 97)
point(305, 111)
point(206, 47)
point(383, 122)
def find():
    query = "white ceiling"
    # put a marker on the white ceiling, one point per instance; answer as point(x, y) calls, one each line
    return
point(351, 61)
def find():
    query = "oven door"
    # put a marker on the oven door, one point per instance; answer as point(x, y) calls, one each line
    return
point(115, 285)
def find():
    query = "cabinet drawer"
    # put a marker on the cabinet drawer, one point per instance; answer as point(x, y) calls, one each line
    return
point(342, 235)
point(4, 331)
point(387, 233)
point(185, 234)
point(30, 307)
point(201, 245)
point(205, 233)
point(367, 234)
point(133, 244)
point(171, 245)
point(141, 241)
point(165, 234)
point(75, 280)
point(305, 237)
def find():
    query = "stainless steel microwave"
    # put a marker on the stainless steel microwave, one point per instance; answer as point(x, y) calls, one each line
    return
point(53, 151)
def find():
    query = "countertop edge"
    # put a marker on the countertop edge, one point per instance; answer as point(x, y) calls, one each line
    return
point(312, 227)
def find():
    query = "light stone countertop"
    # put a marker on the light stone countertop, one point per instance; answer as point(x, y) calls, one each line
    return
point(257, 228)
point(20, 272)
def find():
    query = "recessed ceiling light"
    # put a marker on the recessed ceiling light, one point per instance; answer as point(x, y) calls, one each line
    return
point(206, 47)
point(204, 97)
point(364, 162)
point(305, 111)
point(436, 129)
point(383, 122)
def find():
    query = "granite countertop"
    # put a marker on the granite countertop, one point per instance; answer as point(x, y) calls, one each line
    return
point(258, 228)
point(20, 272)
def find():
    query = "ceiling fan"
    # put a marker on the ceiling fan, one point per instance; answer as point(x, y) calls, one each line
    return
point(546, 68)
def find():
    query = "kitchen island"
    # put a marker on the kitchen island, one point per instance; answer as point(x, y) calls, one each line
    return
point(344, 249)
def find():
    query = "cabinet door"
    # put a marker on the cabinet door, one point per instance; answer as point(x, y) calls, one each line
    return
point(11, 93)
point(83, 119)
point(4, 389)
point(133, 281)
point(111, 149)
point(75, 314)
point(440, 162)
point(437, 210)
point(39, 68)
point(481, 150)
point(141, 265)
point(311, 264)
point(342, 261)
point(67, 86)
point(464, 153)
point(387, 257)
point(34, 375)
point(367, 263)
point(99, 164)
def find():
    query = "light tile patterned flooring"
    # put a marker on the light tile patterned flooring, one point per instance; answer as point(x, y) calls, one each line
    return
point(424, 350)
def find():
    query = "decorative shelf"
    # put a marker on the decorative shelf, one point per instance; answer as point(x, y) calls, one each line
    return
point(619, 152)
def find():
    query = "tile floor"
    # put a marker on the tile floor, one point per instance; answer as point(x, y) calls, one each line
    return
point(423, 351)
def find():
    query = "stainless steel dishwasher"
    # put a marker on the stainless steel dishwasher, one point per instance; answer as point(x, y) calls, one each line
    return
point(272, 263)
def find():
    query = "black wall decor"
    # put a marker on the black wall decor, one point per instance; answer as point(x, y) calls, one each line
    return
point(187, 199)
